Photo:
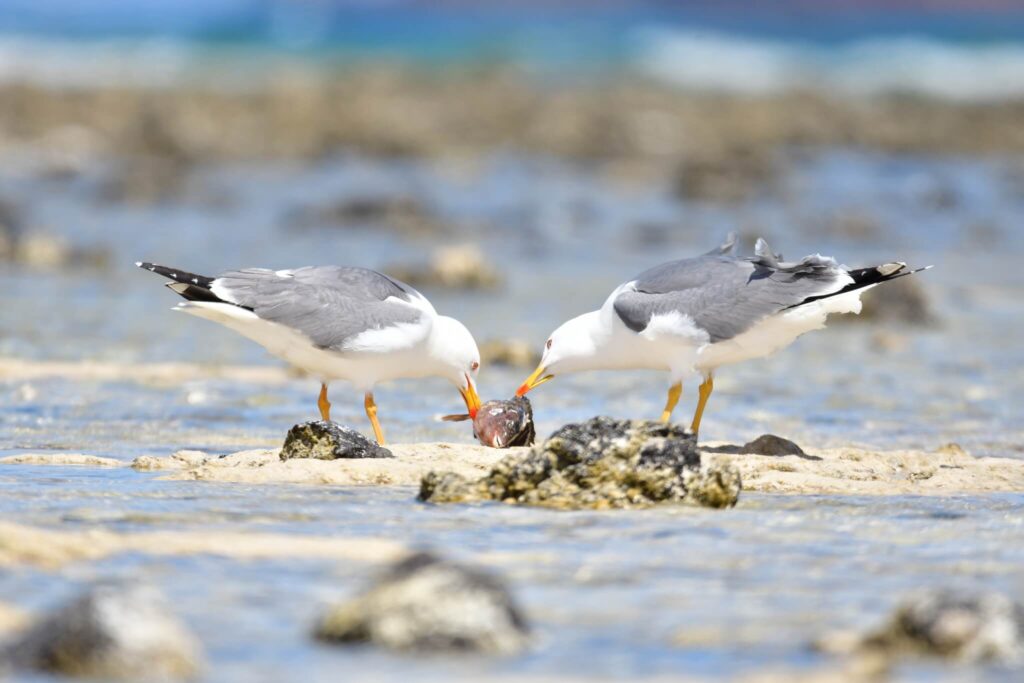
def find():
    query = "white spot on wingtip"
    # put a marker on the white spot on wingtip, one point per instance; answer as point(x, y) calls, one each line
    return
point(138, 264)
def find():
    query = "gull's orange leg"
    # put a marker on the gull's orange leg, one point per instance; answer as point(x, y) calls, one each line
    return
point(674, 392)
point(371, 412)
point(704, 392)
point(324, 404)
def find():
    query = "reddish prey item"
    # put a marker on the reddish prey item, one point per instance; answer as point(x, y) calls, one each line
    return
point(502, 424)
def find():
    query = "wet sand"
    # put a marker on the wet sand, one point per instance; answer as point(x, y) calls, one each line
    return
point(164, 374)
point(843, 471)
point(410, 464)
point(50, 549)
point(12, 618)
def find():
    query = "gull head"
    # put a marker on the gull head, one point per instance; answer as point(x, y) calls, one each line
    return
point(454, 351)
point(573, 347)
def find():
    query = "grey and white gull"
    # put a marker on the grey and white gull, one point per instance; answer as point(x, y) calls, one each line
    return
point(336, 323)
point(690, 317)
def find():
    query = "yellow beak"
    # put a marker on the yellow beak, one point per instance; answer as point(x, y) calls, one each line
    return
point(535, 380)
point(471, 398)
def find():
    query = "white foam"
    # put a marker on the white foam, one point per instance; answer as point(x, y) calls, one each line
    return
point(727, 63)
point(149, 63)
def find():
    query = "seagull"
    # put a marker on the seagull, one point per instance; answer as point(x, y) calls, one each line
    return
point(691, 316)
point(336, 322)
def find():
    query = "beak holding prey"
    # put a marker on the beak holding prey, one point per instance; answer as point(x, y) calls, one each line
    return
point(535, 380)
point(471, 398)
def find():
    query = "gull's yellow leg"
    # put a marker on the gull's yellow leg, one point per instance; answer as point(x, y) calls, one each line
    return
point(673, 398)
point(704, 394)
point(323, 404)
point(371, 412)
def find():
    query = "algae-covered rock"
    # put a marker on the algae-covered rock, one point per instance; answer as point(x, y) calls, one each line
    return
point(120, 632)
point(322, 440)
point(424, 603)
point(600, 463)
point(962, 626)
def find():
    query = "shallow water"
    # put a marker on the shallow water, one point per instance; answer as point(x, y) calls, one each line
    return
point(562, 237)
point(638, 594)
point(609, 595)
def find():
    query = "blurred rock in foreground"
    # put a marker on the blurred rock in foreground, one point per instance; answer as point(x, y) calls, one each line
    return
point(904, 300)
point(406, 215)
point(731, 175)
point(461, 266)
point(123, 632)
point(514, 353)
point(329, 441)
point(428, 604)
point(967, 627)
point(35, 249)
point(600, 463)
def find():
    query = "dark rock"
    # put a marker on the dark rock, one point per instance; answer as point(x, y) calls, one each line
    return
point(600, 463)
point(428, 604)
point(113, 632)
point(502, 423)
point(766, 444)
point(329, 441)
point(963, 626)
point(770, 444)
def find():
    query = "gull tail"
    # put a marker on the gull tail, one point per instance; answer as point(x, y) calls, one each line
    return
point(189, 286)
point(864, 278)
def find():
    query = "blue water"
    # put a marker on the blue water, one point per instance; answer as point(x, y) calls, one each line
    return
point(957, 51)
point(416, 27)
point(648, 594)
point(558, 229)
point(609, 596)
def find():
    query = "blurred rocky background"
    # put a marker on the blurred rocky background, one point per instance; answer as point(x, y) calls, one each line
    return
point(516, 161)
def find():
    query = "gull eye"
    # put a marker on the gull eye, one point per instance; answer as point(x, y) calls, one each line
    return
point(547, 344)
point(475, 366)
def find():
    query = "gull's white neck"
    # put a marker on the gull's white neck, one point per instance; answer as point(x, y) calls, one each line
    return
point(604, 343)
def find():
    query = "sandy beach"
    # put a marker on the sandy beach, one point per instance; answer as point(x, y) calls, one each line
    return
point(843, 471)
point(28, 545)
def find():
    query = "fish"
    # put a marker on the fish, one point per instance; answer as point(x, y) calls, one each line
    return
point(502, 423)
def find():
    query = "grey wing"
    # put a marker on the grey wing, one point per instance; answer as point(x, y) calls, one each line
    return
point(330, 305)
point(725, 296)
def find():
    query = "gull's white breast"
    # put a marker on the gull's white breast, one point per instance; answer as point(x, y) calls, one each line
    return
point(776, 331)
point(378, 355)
